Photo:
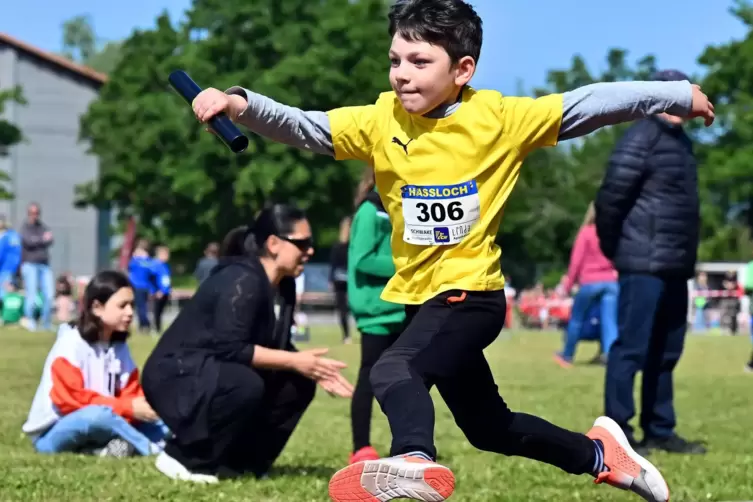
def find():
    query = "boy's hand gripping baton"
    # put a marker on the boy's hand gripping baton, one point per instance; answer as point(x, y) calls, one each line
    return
point(220, 123)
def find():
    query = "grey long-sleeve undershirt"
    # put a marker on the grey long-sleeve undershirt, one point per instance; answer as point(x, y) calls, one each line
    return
point(583, 111)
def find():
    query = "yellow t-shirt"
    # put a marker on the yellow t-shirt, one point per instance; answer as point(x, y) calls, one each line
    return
point(445, 181)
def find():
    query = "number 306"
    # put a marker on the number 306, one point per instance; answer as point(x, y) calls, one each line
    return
point(438, 213)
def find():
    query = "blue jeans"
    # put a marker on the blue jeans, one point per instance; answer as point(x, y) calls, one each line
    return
point(606, 293)
point(699, 319)
point(5, 279)
point(38, 277)
point(652, 318)
point(95, 426)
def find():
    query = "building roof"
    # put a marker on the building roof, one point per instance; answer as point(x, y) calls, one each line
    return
point(54, 59)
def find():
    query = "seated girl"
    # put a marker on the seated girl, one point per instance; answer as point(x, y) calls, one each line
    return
point(89, 398)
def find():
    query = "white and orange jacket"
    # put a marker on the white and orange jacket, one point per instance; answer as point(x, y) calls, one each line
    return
point(78, 374)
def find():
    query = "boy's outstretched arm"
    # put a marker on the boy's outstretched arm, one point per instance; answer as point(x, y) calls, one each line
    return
point(307, 130)
point(597, 105)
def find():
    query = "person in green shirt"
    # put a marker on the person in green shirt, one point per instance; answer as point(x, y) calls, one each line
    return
point(380, 323)
point(13, 305)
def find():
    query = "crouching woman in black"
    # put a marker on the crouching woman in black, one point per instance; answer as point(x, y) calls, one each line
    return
point(225, 377)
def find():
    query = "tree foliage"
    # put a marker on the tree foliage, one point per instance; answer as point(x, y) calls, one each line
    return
point(183, 185)
point(557, 184)
point(10, 135)
point(185, 188)
point(726, 155)
point(81, 44)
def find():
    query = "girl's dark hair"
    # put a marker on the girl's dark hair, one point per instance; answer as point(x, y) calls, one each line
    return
point(247, 240)
point(365, 186)
point(100, 289)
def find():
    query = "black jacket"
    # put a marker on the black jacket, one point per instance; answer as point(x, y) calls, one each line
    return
point(647, 209)
point(232, 310)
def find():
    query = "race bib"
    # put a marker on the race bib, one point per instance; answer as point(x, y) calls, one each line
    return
point(439, 214)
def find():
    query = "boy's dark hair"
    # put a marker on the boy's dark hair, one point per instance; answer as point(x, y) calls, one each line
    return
point(105, 284)
point(450, 24)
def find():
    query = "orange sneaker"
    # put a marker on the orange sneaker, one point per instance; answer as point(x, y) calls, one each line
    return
point(392, 478)
point(564, 363)
point(363, 454)
point(627, 469)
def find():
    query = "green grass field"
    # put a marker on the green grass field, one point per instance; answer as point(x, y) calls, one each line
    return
point(714, 400)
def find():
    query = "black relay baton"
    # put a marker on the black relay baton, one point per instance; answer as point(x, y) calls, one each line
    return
point(220, 123)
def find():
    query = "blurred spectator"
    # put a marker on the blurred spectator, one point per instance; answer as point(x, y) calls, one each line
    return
point(730, 304)
point(36, 239)
point(338, 277)
point(748, 287)
point(300, 328)
point(13, 304)
point(64, 298)
point(700, 301)
point(140, 274)
point(207, 263)
point(597, 281)
point(163, 284)
point(647, 217)
point(10, 255)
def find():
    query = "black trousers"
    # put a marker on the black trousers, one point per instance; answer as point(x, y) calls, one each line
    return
point(159, 309)
point(141, 299)
point(341, 305)
point(443, 345)
point(251, 417)
point(372, 347)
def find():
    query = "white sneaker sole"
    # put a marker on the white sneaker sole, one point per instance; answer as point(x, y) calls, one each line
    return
point(653, 477)
point(392, 478)
point(173, 469)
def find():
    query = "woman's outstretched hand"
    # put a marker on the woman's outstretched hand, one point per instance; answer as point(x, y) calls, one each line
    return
point(337, 386)
point(325, 371)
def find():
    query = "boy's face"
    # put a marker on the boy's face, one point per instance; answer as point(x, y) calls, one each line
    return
point(423, 76)
point(163, 255)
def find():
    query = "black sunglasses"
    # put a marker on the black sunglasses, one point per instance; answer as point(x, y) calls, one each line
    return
point(302, 244)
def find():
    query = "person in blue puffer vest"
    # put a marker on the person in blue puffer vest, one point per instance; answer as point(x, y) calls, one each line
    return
point(141, 274)
point(162, 285)
point(10, 255)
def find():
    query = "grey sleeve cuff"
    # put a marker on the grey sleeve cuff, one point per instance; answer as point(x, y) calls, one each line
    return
point(307, 130)
point(597, 105)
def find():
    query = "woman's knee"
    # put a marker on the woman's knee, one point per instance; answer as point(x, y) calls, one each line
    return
point(307, 391)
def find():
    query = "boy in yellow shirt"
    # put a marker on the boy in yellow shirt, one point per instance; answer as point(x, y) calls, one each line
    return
point(446, 158)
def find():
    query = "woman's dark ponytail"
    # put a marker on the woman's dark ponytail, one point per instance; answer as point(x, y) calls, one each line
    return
point(250, 240)
point(240, 241)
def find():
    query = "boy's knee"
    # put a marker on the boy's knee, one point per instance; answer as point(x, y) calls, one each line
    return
point(388, 371)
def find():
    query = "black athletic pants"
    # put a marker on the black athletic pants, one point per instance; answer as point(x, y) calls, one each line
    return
point(251, 417)
point(372, 347)
point(443, 345)
point(159, 309)
point(341, 305)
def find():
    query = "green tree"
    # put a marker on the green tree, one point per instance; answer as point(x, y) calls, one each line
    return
point(184, 187)
point(81, 44)
point(556, 184)
point(10, 135)
point(726, 154)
